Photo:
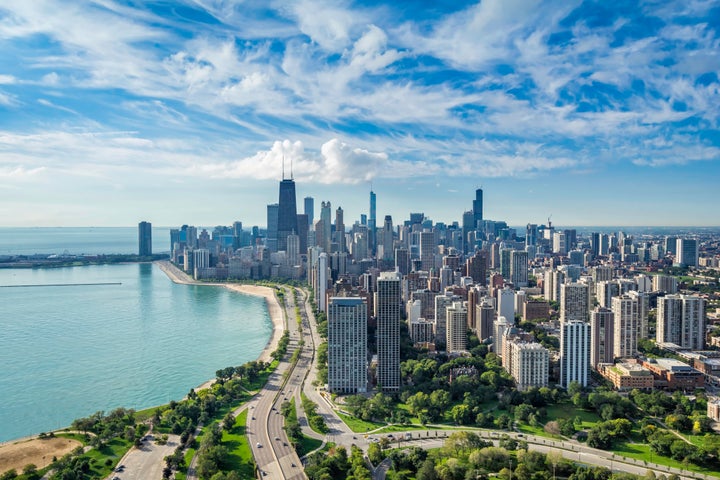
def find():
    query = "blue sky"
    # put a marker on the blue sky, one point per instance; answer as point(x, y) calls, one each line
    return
point(599, 113)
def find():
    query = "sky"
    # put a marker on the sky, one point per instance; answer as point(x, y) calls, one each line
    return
point(183, 112)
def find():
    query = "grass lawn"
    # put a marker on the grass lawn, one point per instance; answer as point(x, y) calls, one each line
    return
point(359, 426)
point(408, 427)
point(570, 411)
point(80, 437)
point(307, 445)
point(113, 450)
point(635, 447)
point(538, 430)
point(240, 458)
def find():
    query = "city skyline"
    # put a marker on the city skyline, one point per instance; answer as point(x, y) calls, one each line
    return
point(182, 112)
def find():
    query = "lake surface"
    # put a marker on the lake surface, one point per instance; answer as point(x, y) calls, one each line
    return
point(78, 240)
point(69, 351)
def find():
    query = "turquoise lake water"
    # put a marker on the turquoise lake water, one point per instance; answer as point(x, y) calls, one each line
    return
point(67, 352)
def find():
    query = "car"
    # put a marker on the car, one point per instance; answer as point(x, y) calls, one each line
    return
point(292, 464)
point(253, 418)
point(285, 444)
point(258, 445)
point(264, 473)
point(390, 435)
point(277, 438)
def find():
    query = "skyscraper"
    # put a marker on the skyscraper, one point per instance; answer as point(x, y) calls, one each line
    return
point(347, 345)
point(574, 353)
point(625, 328)
point(687, 252)
point(601, 336)
point(681, 320)
point(144, 239)
point(387, 239)
point(387, 315)
point(519, 268)
point(456, 325)
point(478, 207)
point(340, 229)
point(372, 224)
point(287, 213)
point(427, 250)
point(485, 319)
point(309, 210)
point(324, 239)
point(574, 302)
point(272, 227)
point(468, 225)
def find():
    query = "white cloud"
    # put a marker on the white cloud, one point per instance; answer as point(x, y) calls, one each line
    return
point(327, 23)
point(15, 173)
point(7, 80)
point(345, 164)
point(7, 100)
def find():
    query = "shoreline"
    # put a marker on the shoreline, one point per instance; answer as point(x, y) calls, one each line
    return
point(178, 276)
point(273, 306)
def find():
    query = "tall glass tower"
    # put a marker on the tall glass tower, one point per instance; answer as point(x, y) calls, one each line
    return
point(372, 224)
point(144, 239)
point(287, 213)
point(478, 207)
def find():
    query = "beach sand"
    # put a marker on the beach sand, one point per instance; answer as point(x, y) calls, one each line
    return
point(18, 453)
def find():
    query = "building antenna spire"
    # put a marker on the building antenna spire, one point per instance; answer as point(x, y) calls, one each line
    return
point(291, 172)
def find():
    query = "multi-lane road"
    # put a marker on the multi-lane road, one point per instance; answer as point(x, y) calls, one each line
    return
point(274, 456)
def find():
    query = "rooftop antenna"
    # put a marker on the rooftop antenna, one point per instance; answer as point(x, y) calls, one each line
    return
point(291, 172)
point(283, 167)
point(549, 222)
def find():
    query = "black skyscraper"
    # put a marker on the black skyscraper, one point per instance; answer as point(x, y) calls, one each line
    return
point(287, 213)
point(478, 207)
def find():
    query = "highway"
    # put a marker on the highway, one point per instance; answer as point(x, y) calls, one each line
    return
point(274, 456)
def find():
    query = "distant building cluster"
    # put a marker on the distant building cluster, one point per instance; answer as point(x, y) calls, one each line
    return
point(593, 292)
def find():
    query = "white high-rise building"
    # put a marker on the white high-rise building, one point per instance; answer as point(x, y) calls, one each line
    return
point(574, 352)
point(322, 281)
point(414, 308)
point(681, 320)
point(499, 328)
point(529, 365)
point(601, 336)
point(347, 345)
point(625, 328)
point(506, 304)
point(574, 302)
point(387, 315)
point(456, 315)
